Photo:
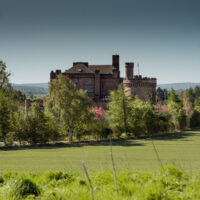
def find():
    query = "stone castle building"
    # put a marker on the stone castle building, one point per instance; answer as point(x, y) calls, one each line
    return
point(99, 80)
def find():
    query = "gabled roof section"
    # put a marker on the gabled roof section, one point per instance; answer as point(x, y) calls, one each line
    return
point(104, 69)
point(79, 68)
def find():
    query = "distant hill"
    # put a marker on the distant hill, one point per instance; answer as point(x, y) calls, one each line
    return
point(178, 86)
point(32, 89)
point(37, 89)
point(30, 85)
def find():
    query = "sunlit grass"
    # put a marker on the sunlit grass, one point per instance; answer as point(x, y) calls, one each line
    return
point(168, 183)
point(181, 150)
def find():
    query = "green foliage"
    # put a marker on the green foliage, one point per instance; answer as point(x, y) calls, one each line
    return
point(161, 94)
point(5, 115)
point(178, 115)
point(174, 97)
point(24, 187)
point(4, 76)
point(58, 175)
point(100, 128)
point(142, 118)
point(193, 94)
point(187, 106)
point(169, 183)
point(162, 123)
point(34, 127)
point(70, 106)
point(133, 117)
point(119, 111)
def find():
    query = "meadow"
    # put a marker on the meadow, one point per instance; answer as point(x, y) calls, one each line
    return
point(181, 150)
point(168, 183)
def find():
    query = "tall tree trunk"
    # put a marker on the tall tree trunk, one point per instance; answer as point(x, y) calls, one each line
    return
point(70, 135)
point(125, 115)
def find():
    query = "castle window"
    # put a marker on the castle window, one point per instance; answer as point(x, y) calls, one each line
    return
point(102, 86)
point(80, 70)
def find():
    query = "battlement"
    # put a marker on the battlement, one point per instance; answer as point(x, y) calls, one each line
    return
point(139, 83)
point(53, 74)
point(139, 77)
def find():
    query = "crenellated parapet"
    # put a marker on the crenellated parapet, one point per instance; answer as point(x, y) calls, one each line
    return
point(53, 74)
point(138, 85)
point(142, 82)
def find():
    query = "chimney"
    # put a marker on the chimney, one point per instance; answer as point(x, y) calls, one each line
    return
point(129, 70)
point(115, 61)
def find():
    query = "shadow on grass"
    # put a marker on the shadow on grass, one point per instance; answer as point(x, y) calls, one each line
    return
point(185, 135)
point(125, 143)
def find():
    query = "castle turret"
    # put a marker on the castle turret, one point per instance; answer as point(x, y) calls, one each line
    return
point(129, 70)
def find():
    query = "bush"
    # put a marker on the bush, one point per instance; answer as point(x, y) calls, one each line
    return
point(100, 128)
point(34, 127)
point(1, 180)
point(195, 119)
point(59, 176)
point(162, 123)
point(25, 187)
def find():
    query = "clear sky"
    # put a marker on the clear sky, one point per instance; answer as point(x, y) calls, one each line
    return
point(37, 36)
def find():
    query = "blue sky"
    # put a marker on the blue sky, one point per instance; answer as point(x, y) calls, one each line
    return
point(37, 36)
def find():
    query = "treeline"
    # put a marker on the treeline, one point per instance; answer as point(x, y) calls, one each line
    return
point(69, 113)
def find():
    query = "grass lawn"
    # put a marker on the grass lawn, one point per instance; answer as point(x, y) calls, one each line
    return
point(181, 150)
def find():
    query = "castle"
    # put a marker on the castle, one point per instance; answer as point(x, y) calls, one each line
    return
point(99, 80)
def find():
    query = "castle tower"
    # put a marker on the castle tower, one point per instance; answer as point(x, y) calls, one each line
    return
point(129, 67)
point(115, 61)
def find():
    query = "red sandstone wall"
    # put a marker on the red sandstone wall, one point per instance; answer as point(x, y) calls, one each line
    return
point(84, 82)
point(107, 85)
point(142, 91)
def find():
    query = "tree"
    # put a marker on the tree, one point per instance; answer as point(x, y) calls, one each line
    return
point(119, 111)
point(68, 105)
point(5, 116)
point(191, 95)
point(187, 105)
point(142, 117)
point(34, 126)
point(178, 115)
point(4, 76)
point(197, 91)
point(162, 94)
point(174, 97)
point(195, 119)
point(197, 104)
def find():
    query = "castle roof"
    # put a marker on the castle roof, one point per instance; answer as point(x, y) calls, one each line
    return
point(79, 68)
point(103, 69)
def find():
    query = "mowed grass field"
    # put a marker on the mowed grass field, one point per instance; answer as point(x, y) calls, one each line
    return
point(181, 150)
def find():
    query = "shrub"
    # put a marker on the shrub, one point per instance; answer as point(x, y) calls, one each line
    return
point(25, 187)
point(59, 176)
point(195, 119)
